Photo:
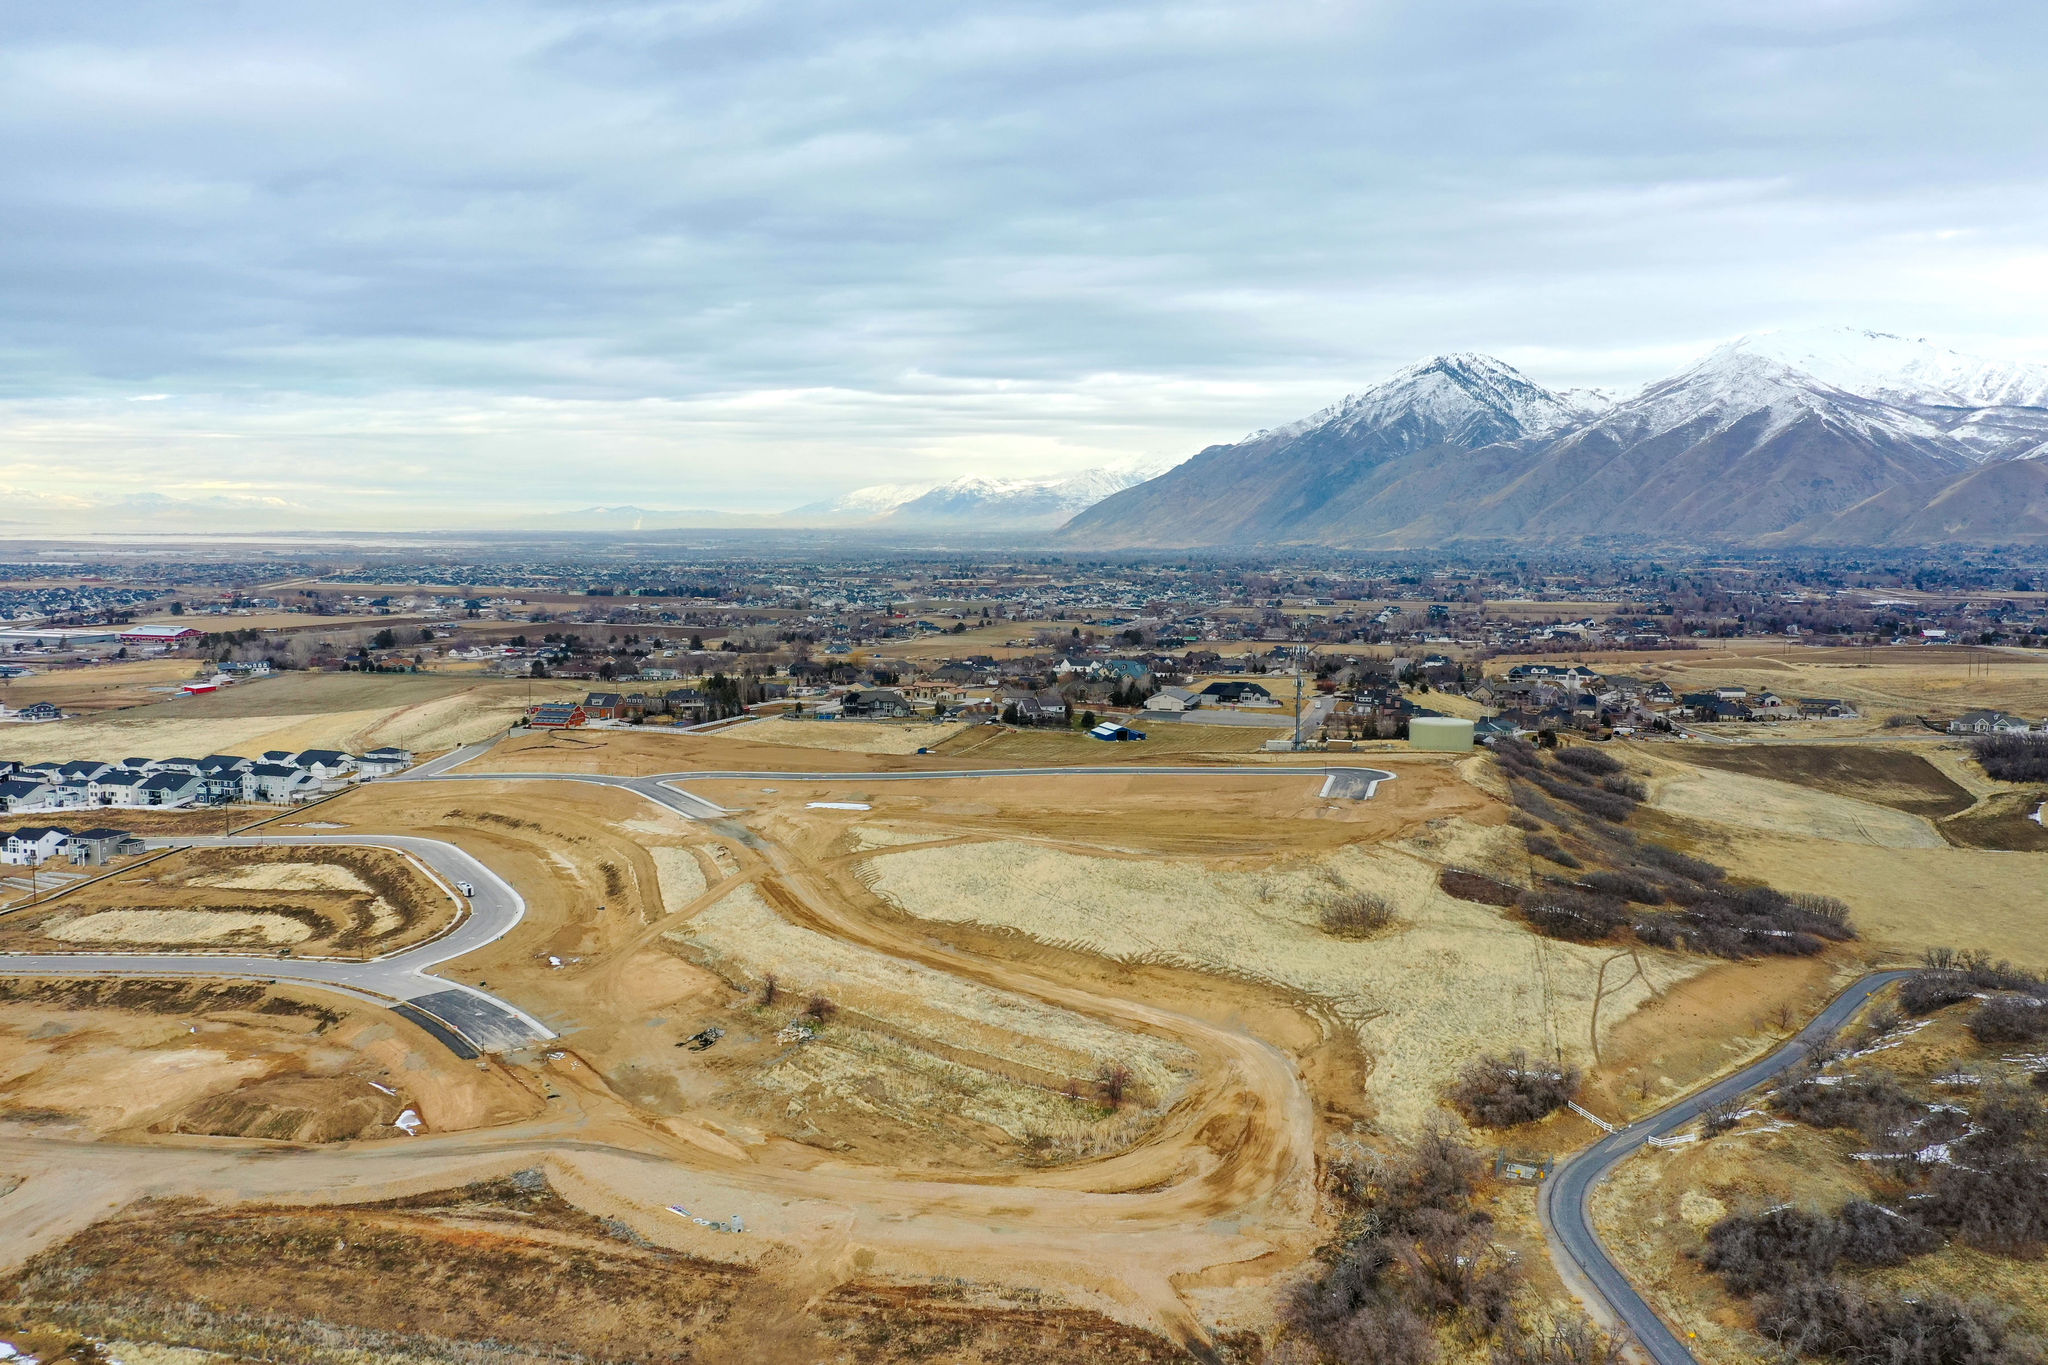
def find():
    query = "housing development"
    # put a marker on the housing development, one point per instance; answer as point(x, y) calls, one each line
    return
point(995, 957)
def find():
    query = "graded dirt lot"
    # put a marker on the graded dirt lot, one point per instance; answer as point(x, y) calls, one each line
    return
point(99, 687)
point(1002, 1067)
point(323, 902)
point(131, 1058)
point(292, 711)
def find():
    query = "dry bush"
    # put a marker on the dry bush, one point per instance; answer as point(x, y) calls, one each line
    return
point(1355, 915)
point(1874, 1105)
point(1415, 1256)
point(1899, 720)
point(1559, 913)
point(1834, 1320)
point(1476, 887)
point(1500, 1092)
point(820, 1009)
point(2011, 1019)
point(1950, 977)
point(1590, 761)
point(1566, 1340)
point(1543, 846)
point(2013, 758)
point(1630, 886)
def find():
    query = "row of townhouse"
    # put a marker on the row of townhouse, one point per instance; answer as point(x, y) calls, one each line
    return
point(34, 845)
point(278, 777)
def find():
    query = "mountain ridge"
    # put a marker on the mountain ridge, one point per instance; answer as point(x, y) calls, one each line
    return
point(1740, 446)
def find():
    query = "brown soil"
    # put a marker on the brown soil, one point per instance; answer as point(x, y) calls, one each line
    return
point(334, 901)
point(1886, 776)
point(511, 1264)
point(131, 1057)
point(2002, 820)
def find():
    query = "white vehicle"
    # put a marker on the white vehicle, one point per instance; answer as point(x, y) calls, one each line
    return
point(466, 889)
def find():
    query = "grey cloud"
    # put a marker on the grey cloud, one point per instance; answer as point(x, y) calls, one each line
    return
point(472, 238)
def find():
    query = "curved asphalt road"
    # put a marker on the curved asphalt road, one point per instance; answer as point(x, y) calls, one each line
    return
point(1565, 1201)
point(467, 1019)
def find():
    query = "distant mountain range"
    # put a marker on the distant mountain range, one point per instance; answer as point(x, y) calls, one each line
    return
point(1827, 437)
point(975, 500)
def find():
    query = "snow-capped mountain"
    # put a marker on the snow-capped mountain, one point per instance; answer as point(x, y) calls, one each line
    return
point(1296, 482)
point(1906, 371)
point(979, 500)
point(1994, 408)
point(1764, 438)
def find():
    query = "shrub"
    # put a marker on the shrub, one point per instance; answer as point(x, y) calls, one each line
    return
point(1620, 785)
point(1899, 720)
point(2013, 758)
point(1629, 886)
point(1557, 913)
point(1671, 860)
point(1500, 1092)
point(1560, 1341)
point(1589, 761)
point(1837, 1321)
point(1543, 846)
point(1873, 1105)
point(2011, 1019)
point(1475, 886)
point(1356, 914)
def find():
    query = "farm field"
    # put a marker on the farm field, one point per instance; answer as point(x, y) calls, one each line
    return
point(102, 687)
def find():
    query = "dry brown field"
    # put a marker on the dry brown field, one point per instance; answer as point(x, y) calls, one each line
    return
point(97, 687)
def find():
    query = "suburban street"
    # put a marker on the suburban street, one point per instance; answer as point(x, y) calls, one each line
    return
point(1565, 1202)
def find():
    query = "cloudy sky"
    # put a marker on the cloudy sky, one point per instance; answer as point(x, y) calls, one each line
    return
point(382, 264)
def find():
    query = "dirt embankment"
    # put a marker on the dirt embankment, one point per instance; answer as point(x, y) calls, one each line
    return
point(331, 901)
point(508, 1265)
point(132, 1057)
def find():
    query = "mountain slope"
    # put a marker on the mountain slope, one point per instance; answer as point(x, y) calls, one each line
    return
point(2002, 502)
point(1738, 446)
point(1019, 504)
point(1287, 484)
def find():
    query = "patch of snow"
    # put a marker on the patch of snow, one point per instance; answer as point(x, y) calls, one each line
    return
point(379, 1085)
point(409, 1123)
point(837, 805)
point(1899, 369)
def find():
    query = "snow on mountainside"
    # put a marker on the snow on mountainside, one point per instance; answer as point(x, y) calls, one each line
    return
point(1735, 383)
point(1463, 399)
point(1027, 504)
point(1902, 370)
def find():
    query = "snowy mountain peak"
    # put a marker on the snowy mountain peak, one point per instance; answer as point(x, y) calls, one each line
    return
point(1463, 399)
point(1739, 380)
point(1912, 371)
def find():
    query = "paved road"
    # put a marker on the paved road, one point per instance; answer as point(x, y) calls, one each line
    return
point(1357, 783)
point(1565, 1202)
point(454, 1012)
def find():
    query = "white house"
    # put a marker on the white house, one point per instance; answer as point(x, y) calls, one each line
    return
point(277, 782)
point(33, 844)
point(378, 762)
